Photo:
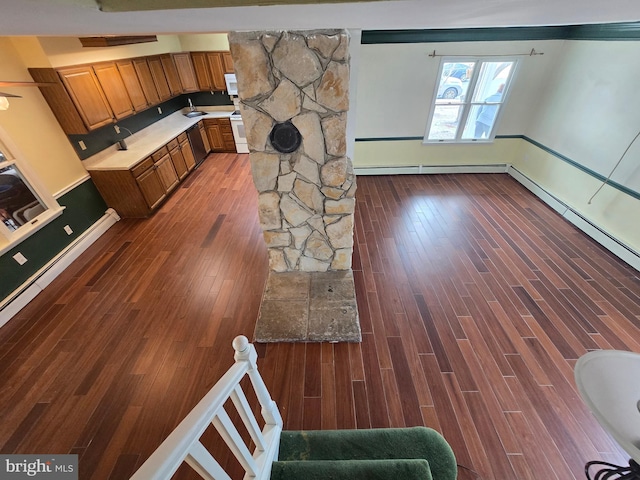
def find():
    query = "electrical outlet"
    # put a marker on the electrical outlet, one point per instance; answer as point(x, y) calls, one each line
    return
point(159, 110)
point(67, 229)
point(20, 258)
point(116, 128)
point(82, 145)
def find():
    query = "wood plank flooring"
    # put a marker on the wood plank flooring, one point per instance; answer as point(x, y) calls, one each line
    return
point(475, 301)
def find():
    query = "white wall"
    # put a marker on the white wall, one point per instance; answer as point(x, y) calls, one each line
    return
point(396, 83)
point(591, 109)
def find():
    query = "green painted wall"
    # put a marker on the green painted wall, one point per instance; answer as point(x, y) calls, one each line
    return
point(83, 207)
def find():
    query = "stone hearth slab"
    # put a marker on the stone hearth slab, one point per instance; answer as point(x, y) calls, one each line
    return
point(309, 307)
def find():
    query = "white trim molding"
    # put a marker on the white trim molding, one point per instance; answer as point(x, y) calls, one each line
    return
point(433, 169)
point(43, 277)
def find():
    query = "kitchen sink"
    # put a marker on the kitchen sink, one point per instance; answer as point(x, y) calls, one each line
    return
point(194, 114)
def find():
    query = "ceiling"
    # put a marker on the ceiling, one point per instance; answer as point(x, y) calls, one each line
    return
point(82, 17)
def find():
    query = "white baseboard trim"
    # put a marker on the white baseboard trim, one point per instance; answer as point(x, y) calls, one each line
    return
point(615, 246)
point(43, 277)
point(432, 169)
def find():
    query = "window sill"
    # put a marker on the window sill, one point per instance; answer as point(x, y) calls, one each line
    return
point(29, 229)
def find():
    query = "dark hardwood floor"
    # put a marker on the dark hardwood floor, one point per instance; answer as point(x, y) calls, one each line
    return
point(475, 301)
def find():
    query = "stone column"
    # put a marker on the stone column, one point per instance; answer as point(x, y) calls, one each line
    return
point(293, 90)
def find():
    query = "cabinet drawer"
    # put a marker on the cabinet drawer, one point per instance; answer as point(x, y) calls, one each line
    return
point(158, 154)
point(142, 167)
point(172, 144)
point(182, 137)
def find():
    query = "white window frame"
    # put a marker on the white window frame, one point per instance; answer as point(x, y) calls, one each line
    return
point(467, 103)
point(10, 156)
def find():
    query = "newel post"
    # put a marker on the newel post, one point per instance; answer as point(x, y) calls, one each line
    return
point(246, 352)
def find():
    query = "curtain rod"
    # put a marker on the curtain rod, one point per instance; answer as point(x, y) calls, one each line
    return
point(530, 54)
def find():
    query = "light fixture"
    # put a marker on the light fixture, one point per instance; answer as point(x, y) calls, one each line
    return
point(4, 102)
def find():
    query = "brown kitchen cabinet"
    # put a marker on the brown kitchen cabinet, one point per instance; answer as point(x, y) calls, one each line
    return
point(150, 185)
point(220, 134)
point(146, 80)
point(205, 139)
point(217, 70)
point(187, 153)
point(201, 68)
point(114, 89)
point(227, 61)
point(171, 74)
point(159, 77)
point(177, 158)
point(209, 68)
point(87, 95)
point(132, 85)
point(139, 190)
point(186, 73)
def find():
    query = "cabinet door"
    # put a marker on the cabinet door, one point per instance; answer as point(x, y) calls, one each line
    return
point(214, 59)
point(167, 173)
point(186, 73)
point(205, 139)
point(227, 61)
point(114, 89)
point(146, 80)
point(159, 79)
point(151, 187)
point(215, 137)
point(227, 135)
point(179, 163)
point(132, 84)
point(201, 67)
point(187, 154)
point(171, 74)
point(87, 95)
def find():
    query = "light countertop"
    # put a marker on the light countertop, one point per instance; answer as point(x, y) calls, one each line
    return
point(148, 140)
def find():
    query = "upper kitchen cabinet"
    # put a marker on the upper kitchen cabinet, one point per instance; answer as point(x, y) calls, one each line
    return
point(75, 97)
point(87, 95)
point(186, 73)
point(114, 89)
point(201, 67)
point(59, 100)
point(159, 77)
point(217, 70)
point(210, 70)
point(171, 74)
point(146, 80)
point(227, 61)
point(132, 84)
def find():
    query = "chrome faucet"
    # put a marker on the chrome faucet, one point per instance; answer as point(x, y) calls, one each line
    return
point(191, 107)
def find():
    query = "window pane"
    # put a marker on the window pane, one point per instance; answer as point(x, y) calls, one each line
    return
point(18, 204)
point(462, 71)
point(492, 79)
point(444, 124)
point(454, 80)
point(480, 121)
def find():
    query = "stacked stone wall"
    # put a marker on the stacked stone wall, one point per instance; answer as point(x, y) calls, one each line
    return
point(306, 198)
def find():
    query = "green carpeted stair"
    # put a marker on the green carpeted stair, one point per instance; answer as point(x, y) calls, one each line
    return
point(375, 454)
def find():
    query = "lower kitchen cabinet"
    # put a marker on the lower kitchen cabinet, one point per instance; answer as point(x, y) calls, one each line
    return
point(220, 134)
point(139, 190)
point(187, 152)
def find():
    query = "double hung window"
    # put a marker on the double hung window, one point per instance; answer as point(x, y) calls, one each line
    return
point(469, 99)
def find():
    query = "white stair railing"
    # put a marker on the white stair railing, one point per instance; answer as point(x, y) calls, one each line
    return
point(183, 444)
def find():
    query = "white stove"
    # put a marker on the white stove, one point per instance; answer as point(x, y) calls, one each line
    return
point(239, 135)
